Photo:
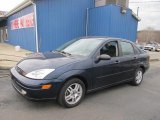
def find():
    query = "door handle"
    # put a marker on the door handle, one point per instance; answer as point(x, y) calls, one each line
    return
point(135, 57)
point(117, 61)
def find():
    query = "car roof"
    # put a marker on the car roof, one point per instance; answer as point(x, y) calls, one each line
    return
point(106, 38)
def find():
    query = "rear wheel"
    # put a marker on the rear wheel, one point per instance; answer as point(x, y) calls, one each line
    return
point(138, 77)
point(72, 93)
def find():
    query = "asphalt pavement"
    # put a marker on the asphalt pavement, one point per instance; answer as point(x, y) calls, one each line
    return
point(122, 102)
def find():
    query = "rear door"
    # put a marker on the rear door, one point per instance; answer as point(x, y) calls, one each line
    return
point(128, 60)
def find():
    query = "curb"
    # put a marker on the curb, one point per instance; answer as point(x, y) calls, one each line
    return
point(154, 60)
point(5, 68)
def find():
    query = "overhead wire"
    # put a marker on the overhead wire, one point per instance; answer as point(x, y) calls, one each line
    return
point(146, 2)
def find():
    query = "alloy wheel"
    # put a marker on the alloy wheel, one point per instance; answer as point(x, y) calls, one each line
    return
point(139, 76)
point(73, 93)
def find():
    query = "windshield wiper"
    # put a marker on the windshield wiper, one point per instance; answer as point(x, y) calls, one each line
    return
point(62, 52)
point(65, 53)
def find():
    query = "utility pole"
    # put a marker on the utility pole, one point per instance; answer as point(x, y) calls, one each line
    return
point(137, 11)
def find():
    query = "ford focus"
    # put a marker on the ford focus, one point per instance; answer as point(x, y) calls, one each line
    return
point(78, 67)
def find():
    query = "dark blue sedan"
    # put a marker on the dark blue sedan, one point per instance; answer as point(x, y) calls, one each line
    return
point(78, 67)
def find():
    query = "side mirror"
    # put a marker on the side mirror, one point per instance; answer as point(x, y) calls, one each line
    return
point(103, 57)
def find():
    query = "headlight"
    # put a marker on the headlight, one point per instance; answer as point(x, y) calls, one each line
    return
point(39, 74)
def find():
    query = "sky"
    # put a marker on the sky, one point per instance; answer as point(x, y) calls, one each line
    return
point(149, 11)
point(7, 5)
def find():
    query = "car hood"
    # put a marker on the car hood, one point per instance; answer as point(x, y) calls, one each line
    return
point(44, 61)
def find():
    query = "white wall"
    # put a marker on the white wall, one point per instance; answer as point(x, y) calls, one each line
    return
point(105, 2)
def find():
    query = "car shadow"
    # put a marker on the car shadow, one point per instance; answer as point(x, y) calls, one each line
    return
point(107, 90)
point(52, 104)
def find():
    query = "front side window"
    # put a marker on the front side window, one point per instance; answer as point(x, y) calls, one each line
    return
point(111, 49)
point(127, 48)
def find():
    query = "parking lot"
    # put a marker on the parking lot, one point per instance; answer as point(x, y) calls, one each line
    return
point(123, 102)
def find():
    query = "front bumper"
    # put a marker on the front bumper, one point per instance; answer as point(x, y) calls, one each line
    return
point(31, 89)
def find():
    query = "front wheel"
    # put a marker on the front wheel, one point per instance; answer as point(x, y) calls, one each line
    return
point(138, 77)
point(72, 93)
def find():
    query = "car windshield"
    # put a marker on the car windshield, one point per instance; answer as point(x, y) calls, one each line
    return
point(82, 47)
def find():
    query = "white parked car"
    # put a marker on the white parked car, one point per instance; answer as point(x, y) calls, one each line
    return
point(150, 47)
point(157, 48)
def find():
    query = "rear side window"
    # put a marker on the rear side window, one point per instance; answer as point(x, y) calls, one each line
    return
point(127, 48)
point(137, 50)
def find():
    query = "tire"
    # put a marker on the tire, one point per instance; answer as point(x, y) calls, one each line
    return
point(69, 96)
point(138, 78)
point(152, 50)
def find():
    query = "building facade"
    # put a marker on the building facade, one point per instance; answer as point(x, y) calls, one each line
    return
point(43, 25)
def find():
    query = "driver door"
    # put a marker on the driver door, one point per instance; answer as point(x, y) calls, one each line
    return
point(107, 72)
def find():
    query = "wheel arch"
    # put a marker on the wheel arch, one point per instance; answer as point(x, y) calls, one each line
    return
point(84, 80)
point(143, 68)
point(80, 74)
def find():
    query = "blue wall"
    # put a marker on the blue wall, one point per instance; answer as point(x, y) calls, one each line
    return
point(60, 21)
point(109, 21)
point(24, 37)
